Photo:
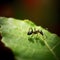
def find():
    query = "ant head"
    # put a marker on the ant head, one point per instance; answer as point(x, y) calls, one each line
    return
point(41, 32)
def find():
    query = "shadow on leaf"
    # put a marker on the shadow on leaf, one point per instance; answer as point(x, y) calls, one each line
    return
point(5, 52)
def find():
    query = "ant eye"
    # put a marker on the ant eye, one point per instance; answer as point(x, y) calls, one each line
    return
point(30, 31)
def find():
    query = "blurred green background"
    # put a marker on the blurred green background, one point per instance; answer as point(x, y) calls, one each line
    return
point(42, 12)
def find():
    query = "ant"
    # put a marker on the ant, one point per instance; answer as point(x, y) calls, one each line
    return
point(34, 32)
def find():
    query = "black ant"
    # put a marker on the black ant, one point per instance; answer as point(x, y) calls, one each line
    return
point(34, 32)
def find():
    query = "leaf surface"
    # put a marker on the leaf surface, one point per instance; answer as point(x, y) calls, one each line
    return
point(29, 47)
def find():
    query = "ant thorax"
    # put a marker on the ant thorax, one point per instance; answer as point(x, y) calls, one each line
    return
point(35, 31)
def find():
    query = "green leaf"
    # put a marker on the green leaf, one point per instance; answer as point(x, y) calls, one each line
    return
point(38, 46)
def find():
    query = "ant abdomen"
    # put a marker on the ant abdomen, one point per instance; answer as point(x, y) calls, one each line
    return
point(30, 31)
